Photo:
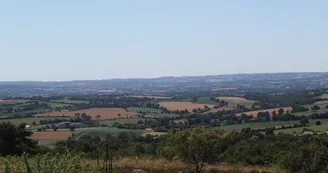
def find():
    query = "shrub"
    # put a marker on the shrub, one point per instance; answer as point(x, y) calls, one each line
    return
point(318, 123)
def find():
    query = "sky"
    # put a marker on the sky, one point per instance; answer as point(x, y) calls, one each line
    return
point(104, 39)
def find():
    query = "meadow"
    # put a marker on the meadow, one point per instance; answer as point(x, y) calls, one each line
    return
point(70, 101)
point(257, 125)
point(121, 121)
point(234, 101)
point(30, 120)
point(316, 128)
point(310, 112)
point(144, 109)
point(101, 131)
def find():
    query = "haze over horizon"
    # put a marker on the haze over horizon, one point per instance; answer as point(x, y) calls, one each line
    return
point(85, 40)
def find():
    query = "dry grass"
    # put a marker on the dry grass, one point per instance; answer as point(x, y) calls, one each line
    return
point(154, 133)
point(105, 113)
point(12, 101)
point(324, 96)
point(321, 103)
point(51, 135)
point(173, 106)
point(254, 113)
point(151, 164)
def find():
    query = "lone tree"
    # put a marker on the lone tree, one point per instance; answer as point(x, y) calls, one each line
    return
point(304, 122)
point(194, 100)
point(315, 108)
point(196, 146)
point(281, 111)
point(72, 128)
point(318, 123)
point(55, 128)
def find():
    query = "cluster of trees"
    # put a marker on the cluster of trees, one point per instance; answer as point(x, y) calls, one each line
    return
point(197, 147)
point(23, 106)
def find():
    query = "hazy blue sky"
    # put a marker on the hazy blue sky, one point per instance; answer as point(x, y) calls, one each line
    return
point(85, 39)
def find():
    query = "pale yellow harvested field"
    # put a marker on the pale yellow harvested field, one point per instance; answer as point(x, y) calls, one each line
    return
point(173, 106)
point(254, 113)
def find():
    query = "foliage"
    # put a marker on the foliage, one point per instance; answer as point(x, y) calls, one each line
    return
point(196, 146)
point(14, 140)
point(47, 163)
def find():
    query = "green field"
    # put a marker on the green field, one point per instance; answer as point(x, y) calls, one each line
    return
point(230, 128)
point(310, 112)
point(101, 131)
point(25, 112)
point(70, 101)
point(49, 142)
point(143, 109)
point(54, 105)
point(234, 103)
point(121, 121)
point(200, 100)
point(29, 120)
point(206, 100)
point(321, 128)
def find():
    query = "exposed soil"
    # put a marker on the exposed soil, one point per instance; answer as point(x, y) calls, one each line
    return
point(105, 113)
point(51, 135)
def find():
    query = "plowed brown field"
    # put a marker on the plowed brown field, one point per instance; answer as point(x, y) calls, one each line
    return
point(51, 135)
point(105, 113)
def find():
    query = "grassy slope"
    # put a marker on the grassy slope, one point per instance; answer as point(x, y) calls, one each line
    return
point(310, 112)
point(142, 109)
point(101, 131)
point(121, 121)
point(70, 101)
point(229, 128)
point(205, 100)
point(29, 120)
point(320, 128)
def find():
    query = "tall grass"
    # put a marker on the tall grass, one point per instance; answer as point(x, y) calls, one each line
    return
point(79, 164)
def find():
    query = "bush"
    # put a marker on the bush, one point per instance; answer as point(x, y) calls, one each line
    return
point(318, 123)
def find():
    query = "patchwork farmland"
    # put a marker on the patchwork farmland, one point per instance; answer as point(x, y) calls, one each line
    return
point(173, 106)
point(104, 113)
point(254, 113)
point(234, 101)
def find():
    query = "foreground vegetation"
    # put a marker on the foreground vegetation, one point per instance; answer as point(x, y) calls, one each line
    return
point(197, 149)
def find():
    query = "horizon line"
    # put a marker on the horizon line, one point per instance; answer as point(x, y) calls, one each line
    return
point(140, 78)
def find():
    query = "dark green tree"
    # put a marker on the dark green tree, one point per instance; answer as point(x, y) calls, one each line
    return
point(315, 108)
point(196, 146)
point(281, 111)
point(303, 122)
point(318, 123)
point(15, 140)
